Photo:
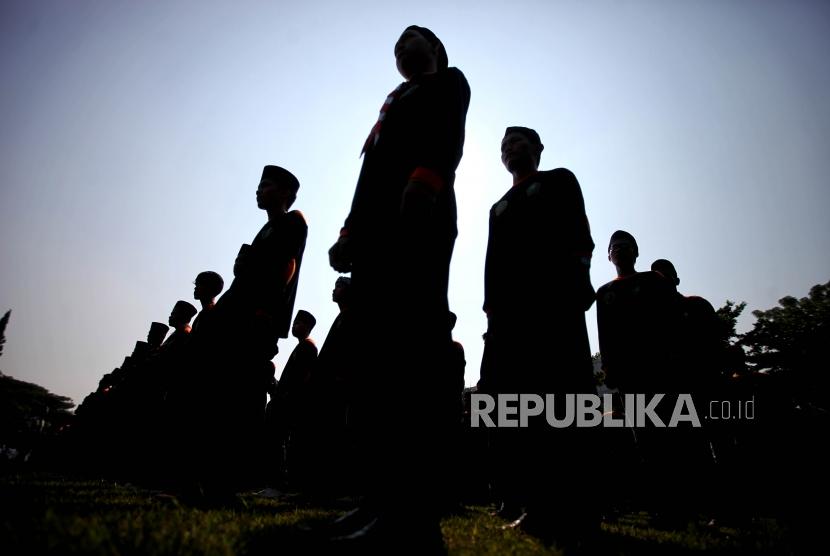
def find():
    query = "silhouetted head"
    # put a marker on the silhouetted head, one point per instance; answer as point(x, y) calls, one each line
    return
point(666, 268)
point(106, 382)
point(158, 330)
point(140, 350)
point(342, 288)
point(622, 249)
point(277, 186)
point(181, 315)
point(521, 149)
point(419, 51)
point(208, 284)
point(620, 237)
point(303, 324)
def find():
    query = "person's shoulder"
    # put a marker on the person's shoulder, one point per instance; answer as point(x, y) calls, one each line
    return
point(308, 346)
point(699, 303)
point(296, 220)
point(456, 77)
point(559, 175)
point(297, 217)
point(606, 287)
point(653, 281)
point(453, 73)
point(501, 205)
point(652, 277)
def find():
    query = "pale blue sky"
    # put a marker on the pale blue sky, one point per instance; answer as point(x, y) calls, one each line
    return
point(133, 135)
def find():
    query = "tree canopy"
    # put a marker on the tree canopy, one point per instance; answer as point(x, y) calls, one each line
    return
point(791, 339)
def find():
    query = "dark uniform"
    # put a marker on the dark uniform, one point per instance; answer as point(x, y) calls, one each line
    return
point(237, 348)
point(400, 273)
point(638, 319)
point(537, 288)
point(292, 411)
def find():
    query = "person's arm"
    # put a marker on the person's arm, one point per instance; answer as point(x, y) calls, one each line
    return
point(291, 247)
point(439, 142)
point(340, 255)
point(577, 240)
point(489, 272)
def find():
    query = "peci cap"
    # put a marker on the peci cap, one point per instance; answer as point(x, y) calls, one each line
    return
point(280, 176)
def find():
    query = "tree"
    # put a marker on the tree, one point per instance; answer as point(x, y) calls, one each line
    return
point(791, 339)
point(3, 322)
point(29, 414)
point(734, 357)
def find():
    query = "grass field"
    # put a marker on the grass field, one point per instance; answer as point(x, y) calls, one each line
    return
point(51, 514)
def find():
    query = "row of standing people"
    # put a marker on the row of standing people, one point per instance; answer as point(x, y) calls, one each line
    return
point(401, 229)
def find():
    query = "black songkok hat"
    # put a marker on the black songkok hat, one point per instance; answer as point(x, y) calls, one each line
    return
point(141, 349)
point(158, 328)
point(307, 317)
point(280, 176)
point(622, 234)
point(443, 62)
point(186, 308)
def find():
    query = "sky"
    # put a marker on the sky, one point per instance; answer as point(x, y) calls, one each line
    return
point(133, 136)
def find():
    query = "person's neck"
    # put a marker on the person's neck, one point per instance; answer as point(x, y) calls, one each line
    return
point(625, 272)
point(275, 213)
point(207, 304)
point(522, 174)
point(432, 70)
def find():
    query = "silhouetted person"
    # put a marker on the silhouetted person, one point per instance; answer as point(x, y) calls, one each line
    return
point(698, 356)
point(334, 361)
point(179, 320)
point(401, 230)
point(333, 384)
point(698, 338)
point(155, 336)
point(274, 451)
point(249, 320)
point(148, 386)
point(637, 321)
point(207, 286)
point(458, 364)
point(454, 474)
point(537, 288)
point(292, 396)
